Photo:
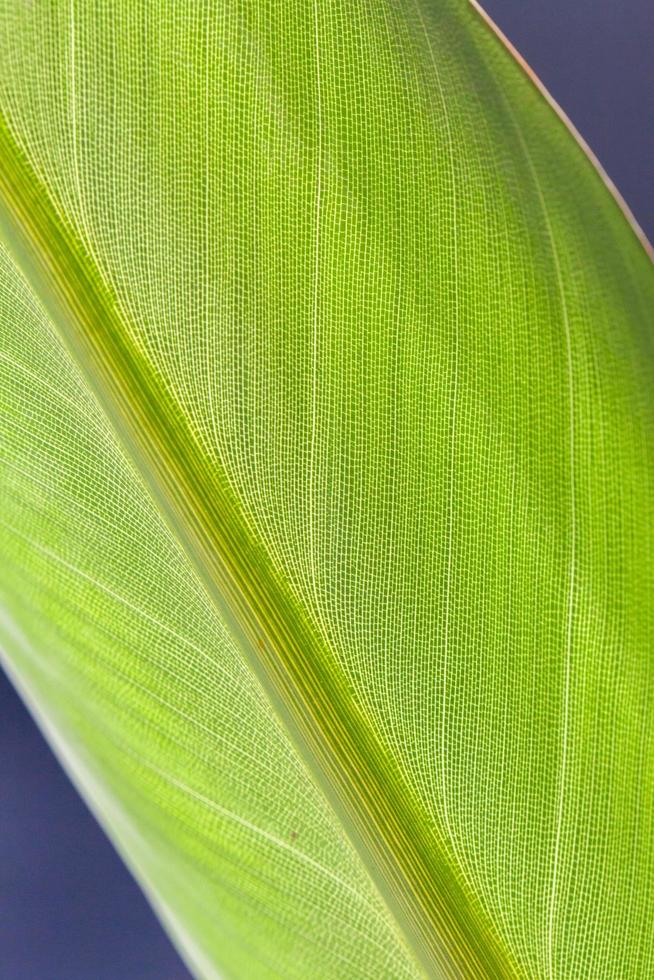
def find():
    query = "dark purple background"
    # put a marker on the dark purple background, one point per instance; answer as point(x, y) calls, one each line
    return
point(68, 908)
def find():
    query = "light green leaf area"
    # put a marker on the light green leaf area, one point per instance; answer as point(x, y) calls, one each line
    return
point(327, 452)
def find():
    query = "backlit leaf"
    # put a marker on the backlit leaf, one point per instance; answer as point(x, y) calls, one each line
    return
point(326, 387)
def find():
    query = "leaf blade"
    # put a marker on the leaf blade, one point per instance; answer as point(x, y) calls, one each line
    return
point(423, 524)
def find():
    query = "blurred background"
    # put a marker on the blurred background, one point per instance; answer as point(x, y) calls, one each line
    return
point(69, 910)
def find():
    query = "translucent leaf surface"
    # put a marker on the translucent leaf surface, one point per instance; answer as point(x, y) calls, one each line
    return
point(327, 454)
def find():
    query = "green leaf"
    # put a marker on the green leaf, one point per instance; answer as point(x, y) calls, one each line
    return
point(327, 457)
